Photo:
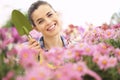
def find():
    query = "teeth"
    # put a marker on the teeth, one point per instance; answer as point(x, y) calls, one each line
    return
point(51, 27)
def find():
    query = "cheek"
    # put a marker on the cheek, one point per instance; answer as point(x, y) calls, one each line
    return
point(38, 28)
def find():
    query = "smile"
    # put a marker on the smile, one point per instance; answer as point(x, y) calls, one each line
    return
point(51, 27)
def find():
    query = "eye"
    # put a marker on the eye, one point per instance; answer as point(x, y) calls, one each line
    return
point(49, 15)
point(41, 21)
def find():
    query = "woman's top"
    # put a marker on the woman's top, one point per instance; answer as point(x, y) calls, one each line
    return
point(42, 45)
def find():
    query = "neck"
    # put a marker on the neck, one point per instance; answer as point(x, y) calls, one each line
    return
point(51, 42)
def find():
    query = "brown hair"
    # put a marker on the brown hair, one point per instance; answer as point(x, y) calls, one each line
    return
point(33, 7)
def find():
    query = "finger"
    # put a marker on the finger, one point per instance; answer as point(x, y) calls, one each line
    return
point(35, 44)
point(36, 47)
point(31, 41)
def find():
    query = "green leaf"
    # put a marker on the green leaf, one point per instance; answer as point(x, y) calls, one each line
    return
point(21, 23)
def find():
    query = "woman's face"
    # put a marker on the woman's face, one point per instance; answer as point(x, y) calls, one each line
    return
point(47, 21)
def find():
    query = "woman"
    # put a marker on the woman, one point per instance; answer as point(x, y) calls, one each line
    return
point(47, 21)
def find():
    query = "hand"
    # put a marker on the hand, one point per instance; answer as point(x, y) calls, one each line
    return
point(33, 44)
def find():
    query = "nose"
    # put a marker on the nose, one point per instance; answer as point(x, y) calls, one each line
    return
point(48, 21)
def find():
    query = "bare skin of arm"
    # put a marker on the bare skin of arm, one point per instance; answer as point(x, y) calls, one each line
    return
point(33, 44)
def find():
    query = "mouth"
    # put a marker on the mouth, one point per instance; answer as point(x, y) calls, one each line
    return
point(52, 27)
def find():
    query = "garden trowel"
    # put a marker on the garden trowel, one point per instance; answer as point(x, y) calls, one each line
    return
point(22, 24)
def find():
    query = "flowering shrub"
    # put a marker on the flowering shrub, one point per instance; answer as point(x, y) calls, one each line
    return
point(8, 67)
point(91, 55)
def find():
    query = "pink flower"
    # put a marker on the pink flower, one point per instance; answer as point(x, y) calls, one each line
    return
point(103, 62)
point(68, 54)
point(27, 58)
point(6, 42)
point(4, 33)
point(5, 78)
point(65, 72)
point(9, 76)
point(104, 49)
point(17, 38)
point(96, 56)
point(109, 33)
point(20, 78)
point(117, 53)
point(76, 53)
point(12, 52)
point(55, 56)
point(112, 61)
point(81, 67)
point(39, 72)
point(87, 49)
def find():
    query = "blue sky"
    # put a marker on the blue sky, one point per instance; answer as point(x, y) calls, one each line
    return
point(77, 12)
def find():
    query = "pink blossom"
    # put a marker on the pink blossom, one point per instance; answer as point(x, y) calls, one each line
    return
point(55, 56)
point(66, 73)
point(76, 52)
point(87, 49)
point(12, 52)
point(39, 72)
point(68, 54)
point(109, 33)
point(20, 78)
point(17, 38)
point(81, 67)
point(4, 33)
point(6, 42)
point(103, 62)
point(10, 74)
point(104, 49)
point(117, 53)
point(5, 78)
point(116, 26)
point(27, 58)
point(112, 61)
point(96, 56)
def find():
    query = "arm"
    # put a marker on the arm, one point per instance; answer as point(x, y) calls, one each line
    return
point(34, 44)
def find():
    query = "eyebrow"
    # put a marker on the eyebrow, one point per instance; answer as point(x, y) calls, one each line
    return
point(41, 18)
point(48, 13)
point(38, 19)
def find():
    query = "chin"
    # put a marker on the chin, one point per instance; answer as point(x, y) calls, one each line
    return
point(54, 34)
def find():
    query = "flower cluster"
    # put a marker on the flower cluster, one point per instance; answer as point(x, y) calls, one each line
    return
point(91, 55)
point(8, 39)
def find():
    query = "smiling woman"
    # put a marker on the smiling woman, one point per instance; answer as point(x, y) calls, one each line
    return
point(89, 11)
point(47, 21)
